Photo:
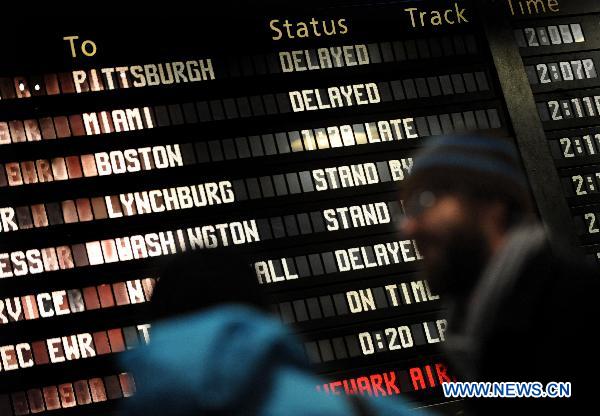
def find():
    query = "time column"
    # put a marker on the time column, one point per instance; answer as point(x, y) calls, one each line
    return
point(559, 48)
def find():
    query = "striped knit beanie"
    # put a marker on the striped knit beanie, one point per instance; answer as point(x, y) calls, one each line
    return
point(481, 168)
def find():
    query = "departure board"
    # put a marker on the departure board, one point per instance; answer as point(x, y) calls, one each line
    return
point(559, 45)
point(284, 131)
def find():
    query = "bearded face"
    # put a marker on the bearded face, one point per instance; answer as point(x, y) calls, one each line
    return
point(452, 240)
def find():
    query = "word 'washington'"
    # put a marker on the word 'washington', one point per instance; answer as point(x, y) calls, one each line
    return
point(164, 243)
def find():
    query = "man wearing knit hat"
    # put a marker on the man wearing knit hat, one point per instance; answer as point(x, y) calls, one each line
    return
point(513, 301)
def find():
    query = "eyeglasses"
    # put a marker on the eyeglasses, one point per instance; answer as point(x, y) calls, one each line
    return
point(418, 203)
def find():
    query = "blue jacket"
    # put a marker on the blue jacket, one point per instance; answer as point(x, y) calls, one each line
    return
point(231, 360)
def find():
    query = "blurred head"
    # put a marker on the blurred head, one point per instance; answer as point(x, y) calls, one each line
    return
point(464, 195)
point(205, 278)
